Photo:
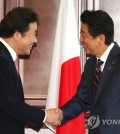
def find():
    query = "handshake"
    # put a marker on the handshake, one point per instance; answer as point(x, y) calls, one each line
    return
point(54, 116)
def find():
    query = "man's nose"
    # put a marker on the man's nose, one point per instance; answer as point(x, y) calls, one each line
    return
point(81, 38)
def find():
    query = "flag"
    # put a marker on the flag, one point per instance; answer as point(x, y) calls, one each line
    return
point(65, 69)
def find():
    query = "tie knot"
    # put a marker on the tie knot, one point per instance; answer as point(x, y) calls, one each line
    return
point(100, 62)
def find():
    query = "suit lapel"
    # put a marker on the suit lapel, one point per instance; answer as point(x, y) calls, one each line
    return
point(9, 57)
point(89, 74)
point(110, 65)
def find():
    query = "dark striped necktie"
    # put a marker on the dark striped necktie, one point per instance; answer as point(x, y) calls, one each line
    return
point(98, 73)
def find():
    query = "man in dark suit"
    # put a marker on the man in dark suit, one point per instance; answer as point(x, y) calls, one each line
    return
point(103, 98)
point(17, 36)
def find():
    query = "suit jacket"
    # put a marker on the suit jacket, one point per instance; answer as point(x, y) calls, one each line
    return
point(14, 112)
point(105, 105)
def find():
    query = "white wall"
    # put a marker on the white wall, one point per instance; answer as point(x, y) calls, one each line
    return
point(113, 8)
point(1, 9)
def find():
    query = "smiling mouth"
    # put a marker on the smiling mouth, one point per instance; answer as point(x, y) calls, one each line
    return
point(84, 46)
point(31, 46)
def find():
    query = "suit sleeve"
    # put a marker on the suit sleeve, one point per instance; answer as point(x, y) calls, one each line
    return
point(78, 104)
point(12, 99)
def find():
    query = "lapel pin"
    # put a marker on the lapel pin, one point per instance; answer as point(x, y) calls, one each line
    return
point(113, 63)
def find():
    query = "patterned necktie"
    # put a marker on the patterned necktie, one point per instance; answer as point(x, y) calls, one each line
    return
point(17, 65)
point(98, 73)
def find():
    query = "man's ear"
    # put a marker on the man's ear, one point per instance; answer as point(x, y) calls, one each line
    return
point(101, 38)
point(17, 35)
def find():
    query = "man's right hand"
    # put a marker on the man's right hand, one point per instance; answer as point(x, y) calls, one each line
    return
point(54, 116)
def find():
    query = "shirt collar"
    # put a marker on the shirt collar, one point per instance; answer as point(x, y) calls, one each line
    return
point(10, 49)
point(106, 53)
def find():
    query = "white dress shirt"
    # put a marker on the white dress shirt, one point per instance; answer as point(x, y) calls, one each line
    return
point(105, 55)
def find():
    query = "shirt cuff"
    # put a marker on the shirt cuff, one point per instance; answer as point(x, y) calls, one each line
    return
point(44, 117)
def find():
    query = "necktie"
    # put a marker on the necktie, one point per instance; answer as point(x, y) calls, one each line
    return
point(98, 73)
point(17, 65)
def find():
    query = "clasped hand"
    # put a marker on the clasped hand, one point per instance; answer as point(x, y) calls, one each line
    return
point(54, 116)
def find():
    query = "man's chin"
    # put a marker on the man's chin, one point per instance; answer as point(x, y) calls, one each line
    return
point(88, 53)
point(24, 55)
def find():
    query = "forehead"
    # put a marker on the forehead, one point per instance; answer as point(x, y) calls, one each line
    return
point(32, 26)
point(32, 29)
